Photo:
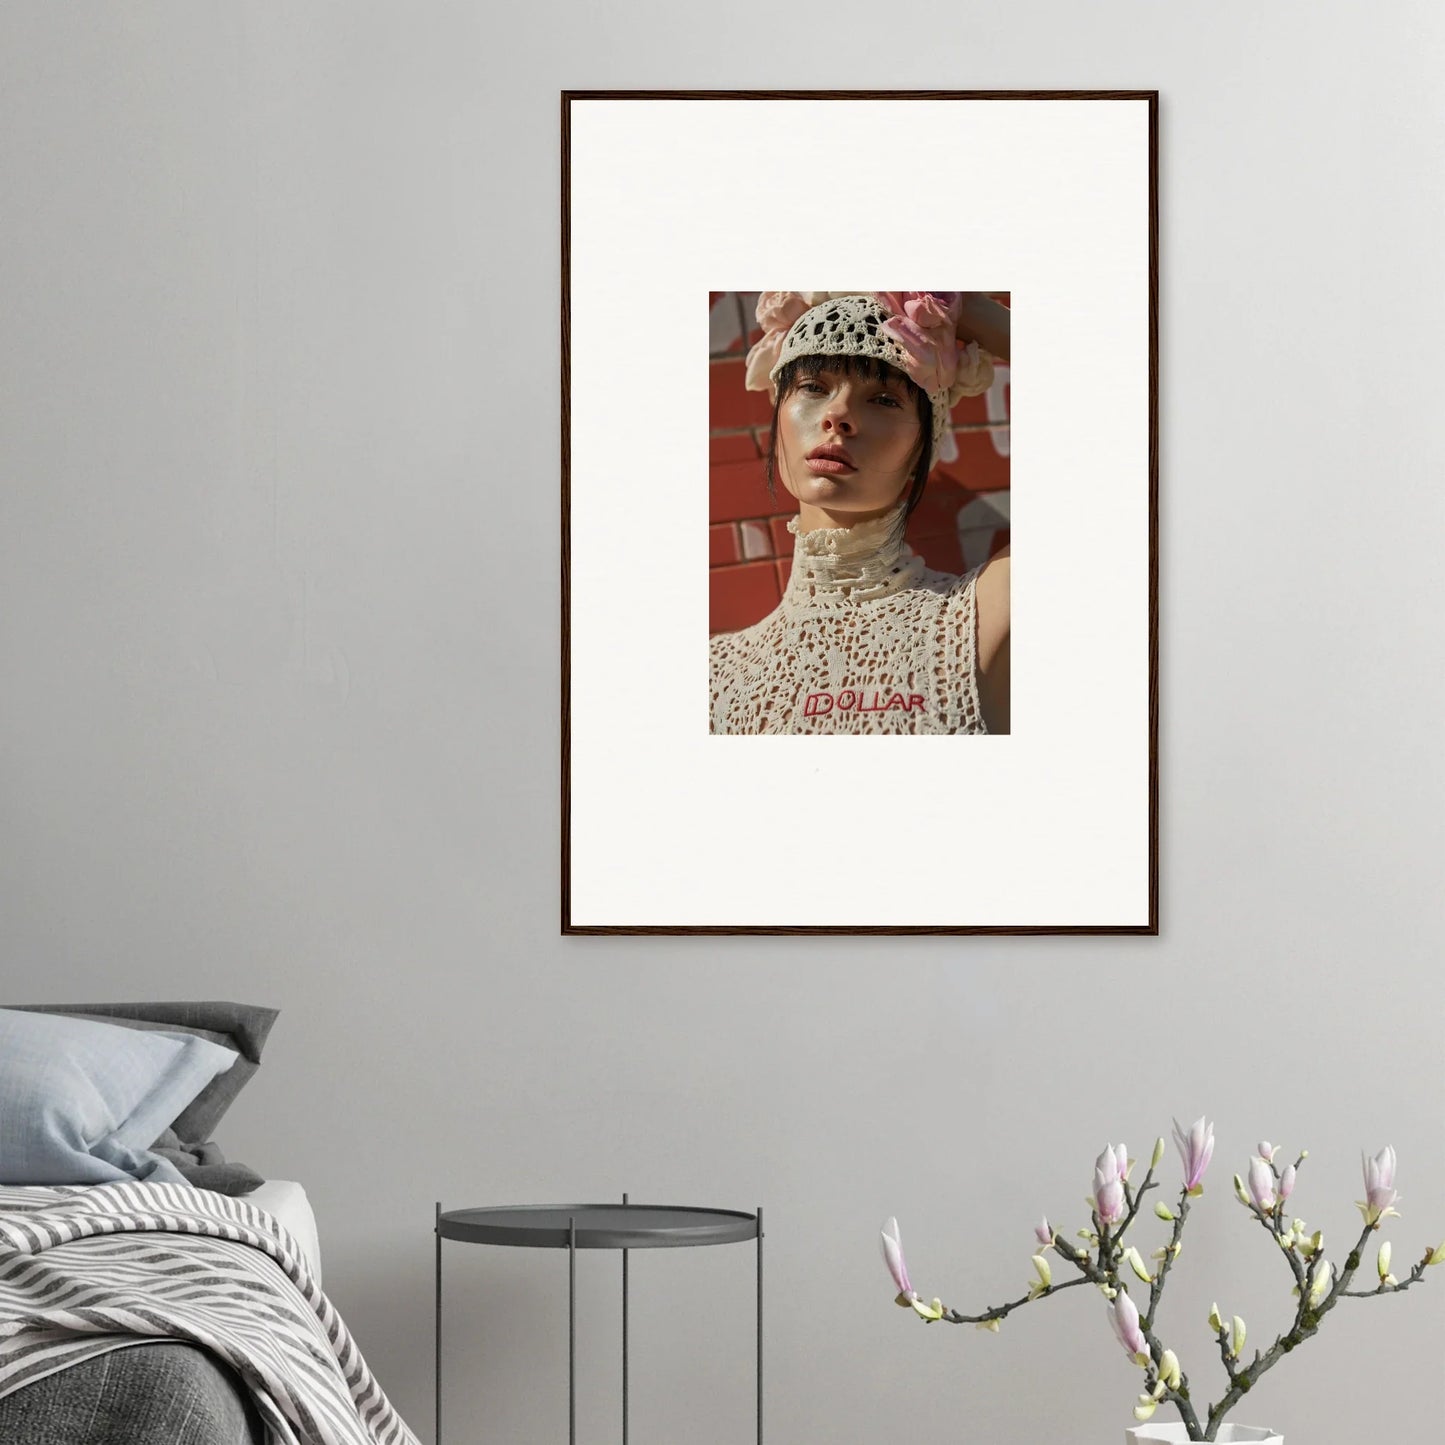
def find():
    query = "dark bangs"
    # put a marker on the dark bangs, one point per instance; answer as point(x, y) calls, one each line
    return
point(874, 368)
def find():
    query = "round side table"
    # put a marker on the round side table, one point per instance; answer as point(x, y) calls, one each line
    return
point(624, 1227)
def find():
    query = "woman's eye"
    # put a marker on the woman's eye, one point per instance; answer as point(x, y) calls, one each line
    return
point(889, 398)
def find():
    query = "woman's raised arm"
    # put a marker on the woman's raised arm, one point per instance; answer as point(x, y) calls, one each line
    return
point(983, 320)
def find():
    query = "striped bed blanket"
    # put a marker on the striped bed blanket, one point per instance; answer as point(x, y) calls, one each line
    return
point(91, 1269)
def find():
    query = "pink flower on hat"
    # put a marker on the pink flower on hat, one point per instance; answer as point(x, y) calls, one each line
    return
point(922, 323)
point(777, 311)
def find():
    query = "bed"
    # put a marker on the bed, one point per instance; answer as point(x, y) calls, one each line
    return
point(137, 1306)
point(160, 1392)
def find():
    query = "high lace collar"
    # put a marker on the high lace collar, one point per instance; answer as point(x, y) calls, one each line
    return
point(851, 564)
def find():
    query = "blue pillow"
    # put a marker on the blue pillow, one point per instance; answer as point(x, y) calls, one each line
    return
point(82, 1102)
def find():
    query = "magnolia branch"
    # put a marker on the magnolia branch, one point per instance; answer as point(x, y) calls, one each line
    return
point(1171, 1251)
point(1385, 1288)
point(1136, 1199)
point(1115, 1206)
point(998, 1312)
point(1308, 1317)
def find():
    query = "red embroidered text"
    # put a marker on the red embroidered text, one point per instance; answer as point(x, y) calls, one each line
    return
point(819, 704)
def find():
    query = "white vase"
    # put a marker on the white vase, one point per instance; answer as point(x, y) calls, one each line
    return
point(1178, 1434)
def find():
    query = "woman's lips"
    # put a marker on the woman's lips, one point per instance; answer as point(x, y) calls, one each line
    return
point(831, 465)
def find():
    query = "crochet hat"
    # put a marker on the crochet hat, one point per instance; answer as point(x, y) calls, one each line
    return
point(913, 331)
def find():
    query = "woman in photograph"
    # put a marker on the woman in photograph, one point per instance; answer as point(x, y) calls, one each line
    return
point(866, 638)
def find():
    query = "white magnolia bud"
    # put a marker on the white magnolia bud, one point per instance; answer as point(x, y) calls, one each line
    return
point(1169, 1370)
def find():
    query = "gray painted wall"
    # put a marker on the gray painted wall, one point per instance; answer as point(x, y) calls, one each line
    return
point(278, 631)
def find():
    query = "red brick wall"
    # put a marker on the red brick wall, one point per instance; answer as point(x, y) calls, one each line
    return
point(750, 550)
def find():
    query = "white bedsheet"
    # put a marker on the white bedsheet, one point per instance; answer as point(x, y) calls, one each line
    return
point(287, 1200)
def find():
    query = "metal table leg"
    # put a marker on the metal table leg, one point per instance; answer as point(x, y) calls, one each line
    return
point(438, 1418)
point(624, 1340)
point(572, 1331)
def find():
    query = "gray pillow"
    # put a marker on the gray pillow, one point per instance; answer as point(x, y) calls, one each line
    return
point(205, 1166)
point(237, 1026)
point(81, 1101)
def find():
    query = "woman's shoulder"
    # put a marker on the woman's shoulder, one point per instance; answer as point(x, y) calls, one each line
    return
point(993, 606)
point(987, 578)
point(993, 578)
point(950, 588)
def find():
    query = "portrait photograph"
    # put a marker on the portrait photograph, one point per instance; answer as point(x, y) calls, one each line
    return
point(802, 506)
point(863, 588)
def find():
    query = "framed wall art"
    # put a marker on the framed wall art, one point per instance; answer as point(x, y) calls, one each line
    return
point(804, 689)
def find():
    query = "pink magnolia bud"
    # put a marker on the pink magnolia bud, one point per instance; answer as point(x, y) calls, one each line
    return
point(1042, 1232)
point(1196, 1149)
point(1380, 1193)
point(893, 1257)
point(1266, 1151)
point(1109, 1200)
point(1261, 1184)
point(1124, 1321)
point(1286, 1182)
point(1109, 1183)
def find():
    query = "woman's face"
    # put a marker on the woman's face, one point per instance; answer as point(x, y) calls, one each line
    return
point(847, 445)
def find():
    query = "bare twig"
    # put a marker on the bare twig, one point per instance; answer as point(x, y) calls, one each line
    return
point(998, 1312)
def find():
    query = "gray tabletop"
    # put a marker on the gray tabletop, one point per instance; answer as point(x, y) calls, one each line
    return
point(599, 1226)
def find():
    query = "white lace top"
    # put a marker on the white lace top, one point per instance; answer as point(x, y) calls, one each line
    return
point(866, 640)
